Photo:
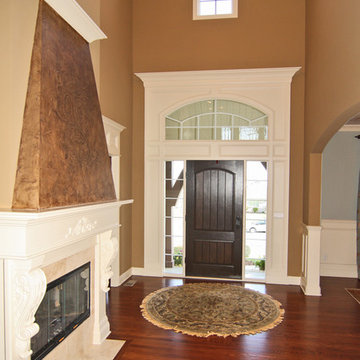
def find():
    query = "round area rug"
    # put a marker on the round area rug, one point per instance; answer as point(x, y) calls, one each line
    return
point(204, 309)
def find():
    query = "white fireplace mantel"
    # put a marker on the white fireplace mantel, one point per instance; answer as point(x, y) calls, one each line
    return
point(25, 235)
point(31, 241)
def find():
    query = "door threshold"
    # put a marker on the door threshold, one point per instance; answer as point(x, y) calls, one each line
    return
point(260, 281)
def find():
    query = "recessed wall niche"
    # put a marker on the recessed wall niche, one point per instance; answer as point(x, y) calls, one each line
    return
point(63, 157)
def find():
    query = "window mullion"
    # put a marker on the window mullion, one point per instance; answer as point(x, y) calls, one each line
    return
point(215, 119)
point(198, 128)
point(232, 127)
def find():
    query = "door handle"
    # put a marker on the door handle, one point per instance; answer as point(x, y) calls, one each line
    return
point(238, 222)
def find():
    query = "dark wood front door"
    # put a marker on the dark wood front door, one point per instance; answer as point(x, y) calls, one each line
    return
point(214, 211)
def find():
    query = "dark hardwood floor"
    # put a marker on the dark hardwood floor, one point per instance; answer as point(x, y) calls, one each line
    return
point(326, 327)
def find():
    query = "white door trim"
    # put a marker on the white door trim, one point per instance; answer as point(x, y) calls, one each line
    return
point(266, 89)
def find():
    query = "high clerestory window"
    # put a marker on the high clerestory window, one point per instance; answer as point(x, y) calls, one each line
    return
point(216, 119)
point(214, 9)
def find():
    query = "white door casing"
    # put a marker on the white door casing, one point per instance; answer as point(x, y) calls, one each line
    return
point(265, 89)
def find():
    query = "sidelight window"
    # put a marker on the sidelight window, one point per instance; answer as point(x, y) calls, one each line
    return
point(256, 219)
point(216, 119)
point(174, 216)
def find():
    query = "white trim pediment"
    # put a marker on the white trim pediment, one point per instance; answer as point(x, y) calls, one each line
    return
point(213, 77)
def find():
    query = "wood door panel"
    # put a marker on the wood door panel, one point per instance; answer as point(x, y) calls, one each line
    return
point(229, 216)
point(212, 252)
point(221, 202)
point(220, 252)
point(214, 202)
point(214, 208)
point(213, 270)
point(199, 215)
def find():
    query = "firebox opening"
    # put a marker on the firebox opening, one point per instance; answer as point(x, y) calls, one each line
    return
point(65, 306)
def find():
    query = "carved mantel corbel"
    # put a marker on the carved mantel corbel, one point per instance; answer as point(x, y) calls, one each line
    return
point(109, 246)
point(27, 285)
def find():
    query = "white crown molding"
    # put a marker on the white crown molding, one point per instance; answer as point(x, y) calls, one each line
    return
point(78, 19)
point(112, 123)
point(230, 77)
point(112, 133)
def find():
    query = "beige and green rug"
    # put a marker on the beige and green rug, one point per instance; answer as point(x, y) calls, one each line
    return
point(204, 309)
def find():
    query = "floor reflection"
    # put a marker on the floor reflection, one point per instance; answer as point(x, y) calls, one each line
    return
point(173, 282)
point(257, 287)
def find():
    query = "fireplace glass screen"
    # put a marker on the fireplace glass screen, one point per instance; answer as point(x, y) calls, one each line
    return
point(65, 306)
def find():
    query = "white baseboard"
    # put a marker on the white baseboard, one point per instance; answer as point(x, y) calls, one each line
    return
point(143, 272)
point(283, 280)
point(293, 280)
point(118, 280)
point(139, 271)
point(339, 270)
point(311, 291)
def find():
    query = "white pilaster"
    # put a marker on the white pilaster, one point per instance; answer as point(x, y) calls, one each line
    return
point(310, 276)
point(112, 133)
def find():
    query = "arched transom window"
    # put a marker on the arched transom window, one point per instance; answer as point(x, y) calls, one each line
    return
point(216, 120)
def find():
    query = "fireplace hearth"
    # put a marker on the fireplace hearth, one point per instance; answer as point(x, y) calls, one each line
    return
point(65, 306)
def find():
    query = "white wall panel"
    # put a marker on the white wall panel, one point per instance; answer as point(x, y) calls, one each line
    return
point(180, 151)
point(245, 151)
point(279, 150)
point(153, 202)
point(338, 248)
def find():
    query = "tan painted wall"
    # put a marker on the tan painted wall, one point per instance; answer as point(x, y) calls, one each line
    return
point(17, 27)
point(138, 174)
point(116, 100)
point(332, 85)
point(92, 8)
point(268, 33)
